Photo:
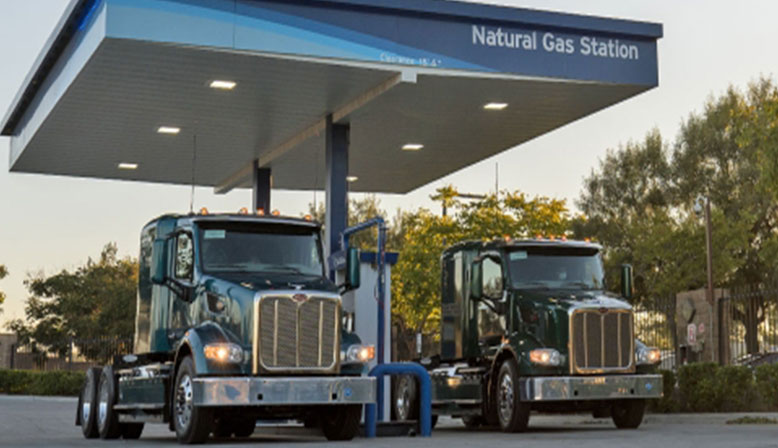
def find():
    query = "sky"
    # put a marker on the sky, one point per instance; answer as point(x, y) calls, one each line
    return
point(50, 223)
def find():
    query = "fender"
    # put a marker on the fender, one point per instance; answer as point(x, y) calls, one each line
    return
point(194, 341)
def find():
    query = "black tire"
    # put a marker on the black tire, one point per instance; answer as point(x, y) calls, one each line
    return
point(512, 413)
point(87, 404)
point(628, 414)
point(131, 431)
point(193, 424)
point(341, 422)
point(107, 419)
point(473, 421)
point(405, 402)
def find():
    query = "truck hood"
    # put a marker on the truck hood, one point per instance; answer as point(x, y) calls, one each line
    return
point(567, 299)
point(262, 282)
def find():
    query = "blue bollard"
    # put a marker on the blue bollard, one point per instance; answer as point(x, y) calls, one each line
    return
point(425, 395)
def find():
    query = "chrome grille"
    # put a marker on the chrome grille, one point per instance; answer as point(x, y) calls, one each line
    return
point(601, 341)
point(300, 334)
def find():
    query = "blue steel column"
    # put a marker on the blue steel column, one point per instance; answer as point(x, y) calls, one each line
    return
point(260, 196)
point(337, 141)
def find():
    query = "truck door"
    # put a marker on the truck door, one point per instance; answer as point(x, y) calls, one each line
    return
point(491, 325)
point(183, 271)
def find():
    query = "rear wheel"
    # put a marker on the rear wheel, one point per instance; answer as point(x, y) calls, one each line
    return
point(107, 419)
point(405, 399)
point(628, 414)
point(192, 423)
point(87, 404)
point(341, 422)
point(512, 413)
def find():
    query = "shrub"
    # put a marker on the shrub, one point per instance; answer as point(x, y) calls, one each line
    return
point(735, 389)
point(697, 387)
point(767, 384)
point(27, 382)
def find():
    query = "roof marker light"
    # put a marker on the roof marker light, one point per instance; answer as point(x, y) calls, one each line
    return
point(170, 130)
point(412, 146)
point(223, 85)
point(308, 217)
point(495, 106)
point(587, 240)
point(243, 211)
point(260, 212)
point(276, 213)
point(203, 211)
point(128, 166)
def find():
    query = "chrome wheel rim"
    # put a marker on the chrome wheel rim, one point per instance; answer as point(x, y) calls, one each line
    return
point(403, 400)
point(86, 402)
point(505, 398)
point(184, 402)
point(102, 407)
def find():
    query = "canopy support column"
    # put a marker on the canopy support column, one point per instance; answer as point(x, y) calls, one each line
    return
point(337, 142)
point(261, 183)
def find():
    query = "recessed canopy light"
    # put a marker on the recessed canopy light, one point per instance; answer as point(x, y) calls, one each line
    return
point(495, 106)
point(168, 130)
point(128, 166)
point(222, 84)
point(412, 146)
point(351, 178)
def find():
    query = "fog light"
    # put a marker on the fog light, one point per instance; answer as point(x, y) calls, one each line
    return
point(224, 352)
point(545, 357)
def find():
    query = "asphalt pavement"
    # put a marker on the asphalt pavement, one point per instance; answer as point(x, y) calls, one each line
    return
point(49, 422)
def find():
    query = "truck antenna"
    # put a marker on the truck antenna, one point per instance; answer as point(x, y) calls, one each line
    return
point(194, 161)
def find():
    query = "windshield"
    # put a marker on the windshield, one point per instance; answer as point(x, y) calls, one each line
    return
point(556, 267)
point(260, 248)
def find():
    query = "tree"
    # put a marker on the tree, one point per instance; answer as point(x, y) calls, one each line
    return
point(94, 302)
point(639, 201)
point(3, 274)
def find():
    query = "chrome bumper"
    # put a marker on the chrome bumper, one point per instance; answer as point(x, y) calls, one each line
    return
point(611, 387)
point(253, 391)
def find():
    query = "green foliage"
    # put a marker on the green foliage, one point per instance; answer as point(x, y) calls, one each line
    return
point(697, 387)
point(708, 387)
point(767, 384)
point(94, 301)
point(26, 382)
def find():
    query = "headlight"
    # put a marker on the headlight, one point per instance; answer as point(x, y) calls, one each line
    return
point(545, 357)
point(360, 353)
point(648, 356)
point(224, 352)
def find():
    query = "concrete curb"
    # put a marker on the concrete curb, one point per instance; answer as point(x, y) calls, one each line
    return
point(29, 398)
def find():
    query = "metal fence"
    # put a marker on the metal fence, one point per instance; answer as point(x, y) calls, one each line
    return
point(73, 354)
point(655, 326)
point(748, 320)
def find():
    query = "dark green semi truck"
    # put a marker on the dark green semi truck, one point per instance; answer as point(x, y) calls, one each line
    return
point(236, 321)
point(528, 326)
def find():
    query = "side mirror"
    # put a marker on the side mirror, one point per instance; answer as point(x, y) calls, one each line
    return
point(159, 262)
point(353, 279)
point(626, 281)
point(476, 280)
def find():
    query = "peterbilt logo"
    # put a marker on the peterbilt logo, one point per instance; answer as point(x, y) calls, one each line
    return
point(299, 298)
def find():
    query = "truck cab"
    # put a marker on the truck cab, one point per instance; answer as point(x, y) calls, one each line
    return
point(236, 321)
point(527, 325)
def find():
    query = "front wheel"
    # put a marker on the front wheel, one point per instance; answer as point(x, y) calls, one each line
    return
point(341, 422)
point(628, 414)
point(512, 413)
point(192, 423)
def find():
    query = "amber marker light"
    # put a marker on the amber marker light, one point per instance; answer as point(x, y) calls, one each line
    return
point(203, 211)
point(276, 213)
point(260, 212)
point(243, 211)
